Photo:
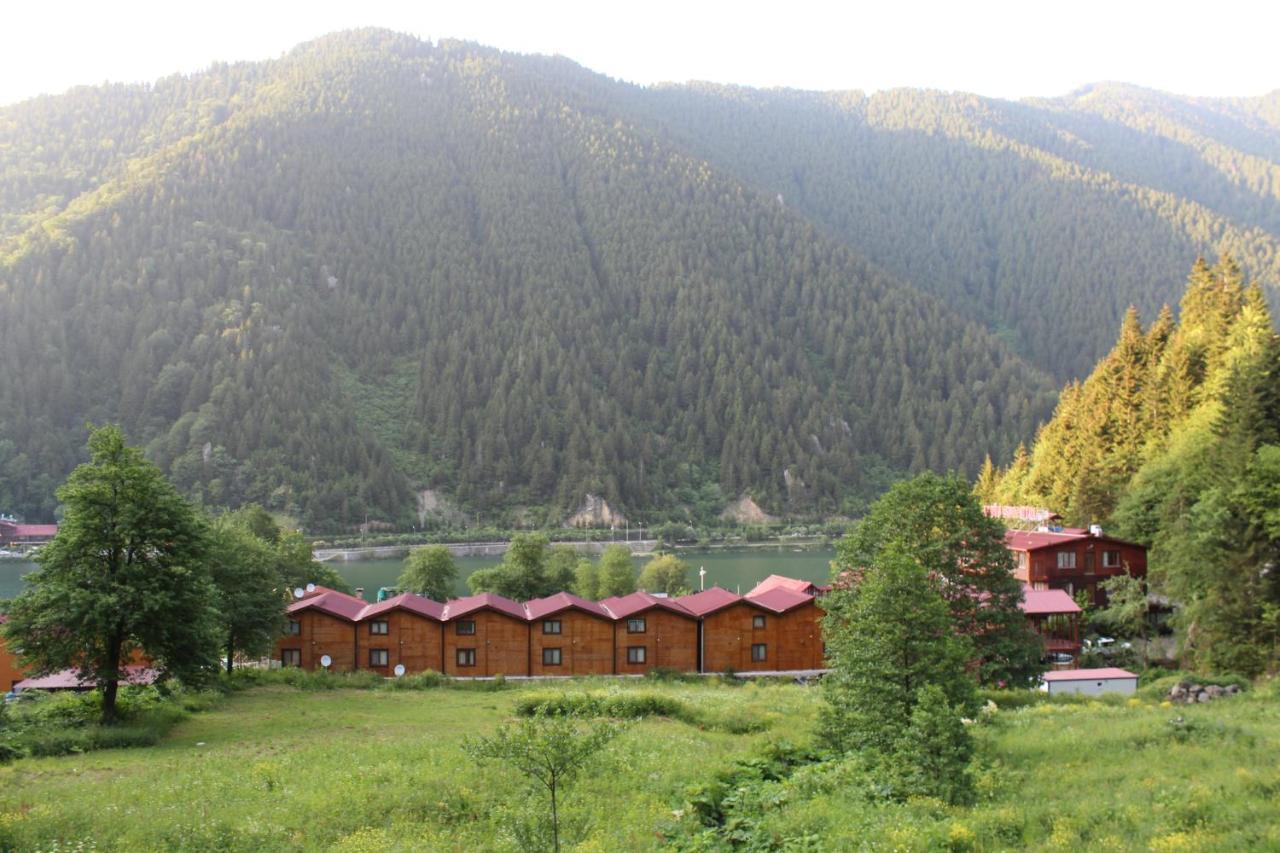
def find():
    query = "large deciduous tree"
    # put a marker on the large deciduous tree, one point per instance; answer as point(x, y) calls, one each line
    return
point(251, 590)
point(430, 571)
point(125, 573)
point(938, 522)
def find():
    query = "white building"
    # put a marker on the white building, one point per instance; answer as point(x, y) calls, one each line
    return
point(1090, 682)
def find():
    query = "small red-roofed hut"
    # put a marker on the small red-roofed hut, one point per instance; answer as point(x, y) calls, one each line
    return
point(322, 622)
point(775, 630)
point(485, 635)
point(402, 630)
point(651, 632)
point(569, 635)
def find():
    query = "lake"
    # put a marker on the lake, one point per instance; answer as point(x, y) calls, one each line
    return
point(736, 570)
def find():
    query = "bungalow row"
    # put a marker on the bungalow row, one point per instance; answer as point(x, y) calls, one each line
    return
point(483, 635)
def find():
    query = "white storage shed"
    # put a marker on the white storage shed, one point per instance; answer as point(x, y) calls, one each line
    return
point(1090, 682)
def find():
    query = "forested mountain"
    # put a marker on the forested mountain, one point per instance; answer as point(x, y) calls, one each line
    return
point(1042, 219)
point(1174, 440)
point(378, 265)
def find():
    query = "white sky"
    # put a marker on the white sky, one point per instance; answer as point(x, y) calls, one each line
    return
point(1007, 49)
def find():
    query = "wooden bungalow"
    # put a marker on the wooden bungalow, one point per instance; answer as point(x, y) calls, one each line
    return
point(1072, 560)
point(322, 622)
point(1055, 618)
point(11, 670)
point(775, 630)
point(484, 635)
point(651, 632)
point(404, 630)
point(569, 635)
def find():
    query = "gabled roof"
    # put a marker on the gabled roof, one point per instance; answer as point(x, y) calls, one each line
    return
point(539, 608)
point(1032, 540)
point(459, 607)
point(35, 530)
point(1043, 602)
point(779, 600)
point(1087, 674)
point(710, 600)
point(69, 679)
point(329, 601)
point(784, 582)
point(410, 601)
point(620, 607)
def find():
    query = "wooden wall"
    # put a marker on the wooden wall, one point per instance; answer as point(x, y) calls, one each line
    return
point(795, 639)
point(411, 639)
point(11, 672)
point(322, 634)
point(670, 641)
point(501, 643)
point(1089, 571)
point(585, 643)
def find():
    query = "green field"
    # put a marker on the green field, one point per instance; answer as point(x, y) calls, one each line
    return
point(275, 768)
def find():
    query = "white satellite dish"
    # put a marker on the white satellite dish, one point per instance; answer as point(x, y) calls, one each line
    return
point(298, 593)
point(325, 661)
point(399, 670)
point(311, 587)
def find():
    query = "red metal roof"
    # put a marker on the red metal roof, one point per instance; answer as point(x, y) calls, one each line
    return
point(779, 600)
point(462, 606)
point(1043, 602)
point(784, 582)
point(49, 530)
point(1030, 540)
point(620, 607)
point(542, 607)
point(409, 601)
point(67, 679)
point(1087, 674)
point(709, 600)
point(329, 601)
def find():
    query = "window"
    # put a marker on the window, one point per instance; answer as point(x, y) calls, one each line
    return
point(550, 657)
point(291, 657)
point(378, 627)
point(635, 654)
point(551, 626)
point(466, 627)
point(1066, 559)
point(1088, 561)
point(295, 627)
point(377, 657)
point(759, 652)
point(757, 621)
point(466, 657)
point(635, 626)
point(1111, 559)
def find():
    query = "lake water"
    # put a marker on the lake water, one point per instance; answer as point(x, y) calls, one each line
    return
point(736, 570)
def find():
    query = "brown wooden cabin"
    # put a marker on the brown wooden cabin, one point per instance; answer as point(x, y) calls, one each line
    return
point(11, 671)
point(1071, 559)
point(322, 622)
point(777, 629)
point(1055, 618)
point(651, 632)
point(406, 629)
point(485, 635)
point(569, 635)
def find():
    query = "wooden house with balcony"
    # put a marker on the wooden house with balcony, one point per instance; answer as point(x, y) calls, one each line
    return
point(651, 632)
point(569, 635)
point(1071, 559)
point(405, 630)
point(1055, 618)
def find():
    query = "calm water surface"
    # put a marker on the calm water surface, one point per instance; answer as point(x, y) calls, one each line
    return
point(734, 570)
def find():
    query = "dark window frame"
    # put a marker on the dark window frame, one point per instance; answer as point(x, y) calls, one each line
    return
point(548, 629)
point(757, 622)
point(1106, 564)
point(759, 652)
point(465, 657)
point(294, 629)
point(465, 627)
point(550, 652)
point(377, 624)
point(1068, 564)
point(637, 621)
point(286, 654)
point(384, 653)
point(637, 654)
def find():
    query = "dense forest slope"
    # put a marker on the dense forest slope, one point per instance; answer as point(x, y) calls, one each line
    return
point(378, 265)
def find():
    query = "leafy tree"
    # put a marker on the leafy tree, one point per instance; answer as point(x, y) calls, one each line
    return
point(430, 571)
point(552, 751)
point(617, 571)
point(1126, 610)
point(126, 573)
point(562, 568)
point(586, 580)
point(888, 635)
point(932, 757)
point(938, 522)
point(298, 567)
point(251, 592)
point(665, 573)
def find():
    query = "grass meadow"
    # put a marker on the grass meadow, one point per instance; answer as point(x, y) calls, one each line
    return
point(275, 767)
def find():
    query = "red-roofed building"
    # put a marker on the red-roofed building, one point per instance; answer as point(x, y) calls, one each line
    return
point(322, 622)
point(1090, 682)
point(784, 582)
point(569, 635)
point(11, 672)
point(1055, 617)
point(778, 629)
point(15, 534)
point(1073, 560)
point(406, 630)
point(67, 679)
point(651, 631)
point(485, 634)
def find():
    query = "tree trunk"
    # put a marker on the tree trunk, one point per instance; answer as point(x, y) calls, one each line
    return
point(555, 821)
point(231, 646)
point(112, 684)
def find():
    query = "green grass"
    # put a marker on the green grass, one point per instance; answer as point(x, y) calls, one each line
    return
point(277, 768)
